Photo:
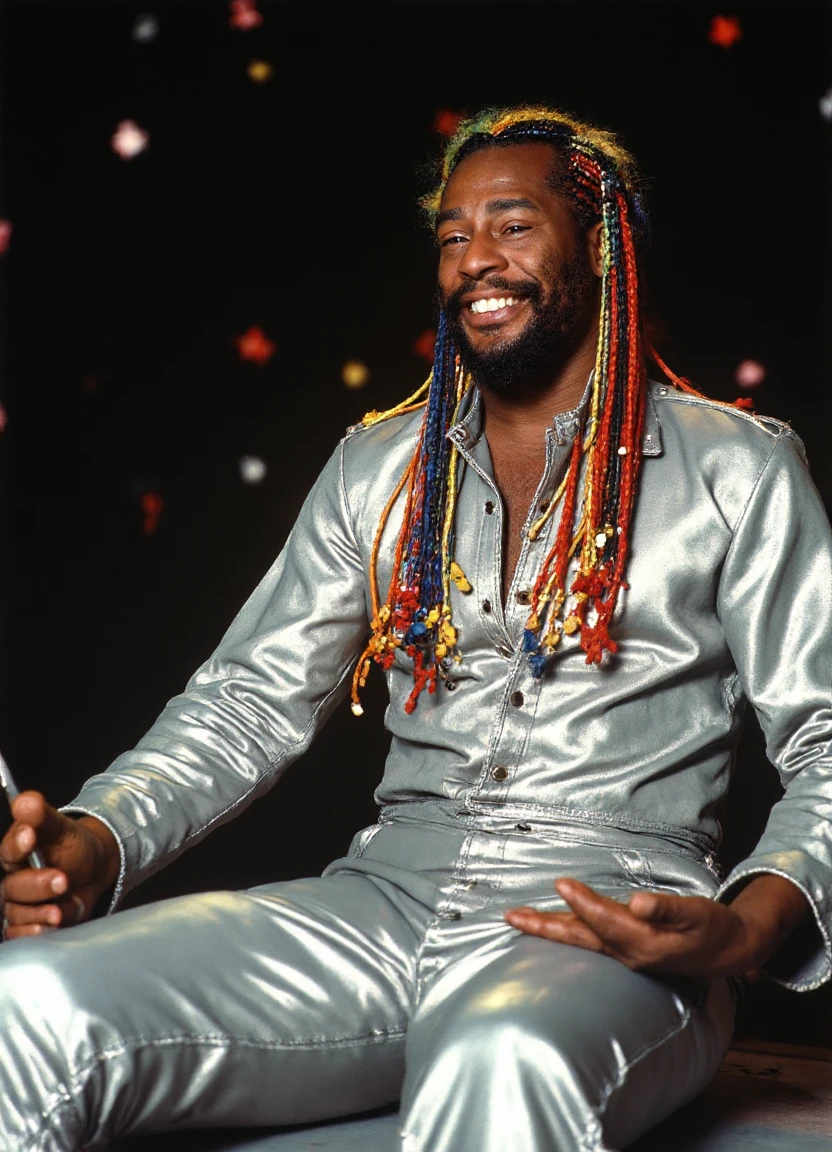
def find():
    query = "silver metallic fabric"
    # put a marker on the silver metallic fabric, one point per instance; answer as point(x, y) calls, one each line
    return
point(730, 600)
point(393, 976)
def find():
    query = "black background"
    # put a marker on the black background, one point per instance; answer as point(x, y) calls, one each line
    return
point(291, 205)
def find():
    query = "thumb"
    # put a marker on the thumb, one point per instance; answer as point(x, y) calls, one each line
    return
point(659, 909)
point(48, 823)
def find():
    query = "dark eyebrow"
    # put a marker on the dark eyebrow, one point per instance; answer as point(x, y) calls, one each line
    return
point(492, 208)
point(448, 214)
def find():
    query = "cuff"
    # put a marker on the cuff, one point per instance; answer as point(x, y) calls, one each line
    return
point(119, 890)
point(804, 961)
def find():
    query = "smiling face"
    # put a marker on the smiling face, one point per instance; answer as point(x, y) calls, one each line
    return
point(517, 278)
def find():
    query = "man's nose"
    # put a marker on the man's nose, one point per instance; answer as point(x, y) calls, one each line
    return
point(481, 256)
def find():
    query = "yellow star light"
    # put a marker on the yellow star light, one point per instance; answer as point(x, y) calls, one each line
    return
point(260, 71)
point(355, 374)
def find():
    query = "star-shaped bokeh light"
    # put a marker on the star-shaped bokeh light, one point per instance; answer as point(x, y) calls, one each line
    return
point(255, 345)
point(5, 234)
point(4, 418)
point(129, 139)
point(825, 104)
point(725, 31)
point(244, 15)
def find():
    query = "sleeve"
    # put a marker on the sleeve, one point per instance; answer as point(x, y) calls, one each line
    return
point(254, 706)
point(775, 604)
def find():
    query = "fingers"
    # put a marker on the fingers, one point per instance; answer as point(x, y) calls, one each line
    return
point(35, 919)
point(31, 809)
point(562, 927)
point(36, 824)
point(16, 845)
point(20, 915)
point(10, 933)
point(606, 917)
point(33, 885)
point(650, 909)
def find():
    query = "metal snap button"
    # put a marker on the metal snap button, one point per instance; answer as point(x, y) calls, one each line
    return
point(499, 772)
point(524, 596)
point(523, 827)
point(517, 699)
point(486, 606)
point(489, 507)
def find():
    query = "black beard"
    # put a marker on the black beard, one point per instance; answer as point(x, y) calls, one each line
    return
point(529, 363)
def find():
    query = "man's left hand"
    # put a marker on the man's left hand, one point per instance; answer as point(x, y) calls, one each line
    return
point(658, 932)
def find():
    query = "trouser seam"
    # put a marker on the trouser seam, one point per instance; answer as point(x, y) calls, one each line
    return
point(593, 1136)
point(62, 1099)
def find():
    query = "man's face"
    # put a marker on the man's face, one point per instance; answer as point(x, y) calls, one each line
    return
point(516, 275)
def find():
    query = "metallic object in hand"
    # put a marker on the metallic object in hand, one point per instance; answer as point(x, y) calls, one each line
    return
point(36, 859)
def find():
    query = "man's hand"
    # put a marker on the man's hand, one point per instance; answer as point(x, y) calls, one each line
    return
point(687, 935)
point(82, 862)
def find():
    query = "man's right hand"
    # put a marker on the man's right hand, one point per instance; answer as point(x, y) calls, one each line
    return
point(82, 860)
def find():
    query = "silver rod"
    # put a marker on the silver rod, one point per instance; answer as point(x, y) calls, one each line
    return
point(36, 858)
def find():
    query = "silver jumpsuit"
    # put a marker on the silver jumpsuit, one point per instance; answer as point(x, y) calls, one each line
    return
point(395, 976)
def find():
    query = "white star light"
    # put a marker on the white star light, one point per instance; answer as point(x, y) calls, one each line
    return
point(145, 29)
point(825, 104)
point(253, 470)
point(129, 139)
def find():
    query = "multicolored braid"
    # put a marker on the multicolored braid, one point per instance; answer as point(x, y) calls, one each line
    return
point(601, 179)
point(416, 615)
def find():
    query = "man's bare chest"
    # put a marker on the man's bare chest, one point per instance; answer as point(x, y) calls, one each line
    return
point(517, 477)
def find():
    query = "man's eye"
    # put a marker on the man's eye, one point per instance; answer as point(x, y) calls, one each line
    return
point(451, 240)
point(514, 228)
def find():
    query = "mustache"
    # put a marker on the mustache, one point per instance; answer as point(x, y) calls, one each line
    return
point(453, 304)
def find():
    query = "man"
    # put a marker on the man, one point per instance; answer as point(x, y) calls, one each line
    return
point(553, 723)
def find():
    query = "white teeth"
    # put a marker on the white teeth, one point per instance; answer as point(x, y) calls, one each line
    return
point(493, 303)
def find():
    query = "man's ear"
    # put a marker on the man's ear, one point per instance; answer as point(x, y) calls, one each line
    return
point(594, 247)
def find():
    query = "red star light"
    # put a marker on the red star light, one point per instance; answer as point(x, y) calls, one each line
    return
point(5, 234)
point(152, 505)
point(4, 419)
point(725, 31)
point(447, 122)
point(424, 345)
point(255, 345)
point(244, 15)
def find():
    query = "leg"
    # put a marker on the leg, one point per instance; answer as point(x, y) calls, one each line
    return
point(554, 1047)
point(275, 1006)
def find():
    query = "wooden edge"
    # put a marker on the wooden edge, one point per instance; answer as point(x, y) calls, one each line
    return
point(771, 1048)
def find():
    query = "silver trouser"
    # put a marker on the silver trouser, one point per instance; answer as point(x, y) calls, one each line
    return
point(393, 976)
